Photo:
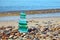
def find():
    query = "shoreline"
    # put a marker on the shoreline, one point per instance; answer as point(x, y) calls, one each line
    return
point(16, 13)
point(31, 16)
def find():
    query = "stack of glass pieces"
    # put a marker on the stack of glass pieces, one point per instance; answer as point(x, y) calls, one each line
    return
point(23, 23)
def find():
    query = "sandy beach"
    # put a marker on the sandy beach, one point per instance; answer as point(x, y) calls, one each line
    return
point(38, 29)
point(55, 20)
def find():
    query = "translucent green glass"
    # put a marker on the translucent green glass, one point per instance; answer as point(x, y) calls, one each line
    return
point(22, 27)
point(22, 16)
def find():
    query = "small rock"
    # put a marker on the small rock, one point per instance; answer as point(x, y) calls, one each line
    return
point(9, 27)
point(15, 31)
point(3, 28)
point(11, 36)
point(7, 32)
point(18, 34)
point(23, 34)
point(15, 37)
point(33, 29)
point(4, 36)
point(10, 39)
point(53, 39)
point(29, 30)
point(46, 29)
point(1, 31)
point(12, 33)
point(44, 32)
point(20, 38)
point(32, 32)
point(24, 38)
point(35, 39)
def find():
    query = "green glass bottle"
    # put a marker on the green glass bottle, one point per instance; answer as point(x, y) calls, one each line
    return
point(22, 27)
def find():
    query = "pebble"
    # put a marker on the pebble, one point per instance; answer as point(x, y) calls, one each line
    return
point(47, 38)
point(53, 39)
point(23, 34)
point(18, 34)
point(15, 37)
point(1, 31)
point(24, 38)
point(42, 28)
point(47, 32)
point(20, 38)
point(35, 39)
point(3, 28)
point(10, 39)
point(45, 29)
point(11, 36)
point(7, 32)
point(29, 30)
point(9, 27)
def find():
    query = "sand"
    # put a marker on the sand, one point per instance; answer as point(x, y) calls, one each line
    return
point(40, 33)
point(40, 21)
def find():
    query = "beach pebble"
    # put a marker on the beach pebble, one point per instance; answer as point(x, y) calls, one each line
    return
point(47, 38)
point(10, 39)
point(23, 34)
point(9, 26)
point(18, 34)
point(1, 31)
point(42, 28)
point(54, 39)
point(35, 39)
point(24, 38)
point(20, 38)
point(48, 31)
point(7, 32)
point(5, 36)
point(15, 37)
point(11, 36)
point(29, 30)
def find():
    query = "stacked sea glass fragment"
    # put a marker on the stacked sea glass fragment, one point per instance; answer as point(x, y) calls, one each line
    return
point(23, 23)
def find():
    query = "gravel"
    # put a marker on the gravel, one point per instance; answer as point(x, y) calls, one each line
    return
point(34, 33)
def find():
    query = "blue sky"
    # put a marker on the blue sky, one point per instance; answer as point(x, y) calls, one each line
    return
point(17, 5)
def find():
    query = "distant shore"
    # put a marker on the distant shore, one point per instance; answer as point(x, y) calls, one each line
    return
point(16, 13)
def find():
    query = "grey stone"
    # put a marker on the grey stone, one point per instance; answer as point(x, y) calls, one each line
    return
point(35, 39)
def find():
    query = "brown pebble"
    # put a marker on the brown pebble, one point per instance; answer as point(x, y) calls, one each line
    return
point(54, 39)
point(3, 27)
point(12, 33)
point(9, 27)
point(15, 31)
point(18, 34)
point(4, 39)
point(11, 36)
point(4, 36)
point(15, 37)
